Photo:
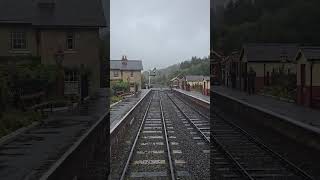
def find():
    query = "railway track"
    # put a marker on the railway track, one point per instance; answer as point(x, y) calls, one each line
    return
point(156, 151)
point(237, 155)
point(221, 159)
point(241, 156)
point(199, 121)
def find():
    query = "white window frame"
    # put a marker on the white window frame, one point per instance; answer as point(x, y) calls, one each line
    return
point(72, 76)
point(18, 40)
point(70, 36)
point(115, 74)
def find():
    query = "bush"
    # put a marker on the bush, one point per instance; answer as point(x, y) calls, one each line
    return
point(120, 86)
point(115, 99)
point(11, 121)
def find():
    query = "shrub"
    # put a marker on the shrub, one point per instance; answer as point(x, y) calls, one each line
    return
point(115, 99)
point(11, 121)
point(120, 86)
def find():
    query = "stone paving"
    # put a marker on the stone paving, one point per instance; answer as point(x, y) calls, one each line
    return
point(120, 109)
point(307, 117)
point(33, 152)
point(195, 94)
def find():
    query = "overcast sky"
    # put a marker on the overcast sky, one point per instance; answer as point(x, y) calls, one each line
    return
point(159, 32)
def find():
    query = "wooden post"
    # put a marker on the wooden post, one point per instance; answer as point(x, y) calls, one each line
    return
point(311, 82)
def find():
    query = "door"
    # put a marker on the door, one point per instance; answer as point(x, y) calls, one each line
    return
point(84, 86)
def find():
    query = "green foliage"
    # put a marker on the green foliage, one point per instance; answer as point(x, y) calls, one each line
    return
point(11, 121)
point(115, 99)
point(285, 21)
point(24, 79)
point(193, 66)
point(117, 86)
point(282, 85)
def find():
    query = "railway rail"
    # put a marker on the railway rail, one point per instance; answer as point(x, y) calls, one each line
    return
point(154, 152)
point(237, 155)
point(245, 157)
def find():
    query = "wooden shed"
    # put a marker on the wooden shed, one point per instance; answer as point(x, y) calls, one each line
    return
point(265, 59)
point(308, 76)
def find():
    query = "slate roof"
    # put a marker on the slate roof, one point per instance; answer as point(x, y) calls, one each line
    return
point(133, 65)
point(88, 13)
point(310, 53)
point(194, 78)
point(269, 52)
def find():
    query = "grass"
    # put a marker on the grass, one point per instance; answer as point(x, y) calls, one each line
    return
point(115, 99)
point(13, 120)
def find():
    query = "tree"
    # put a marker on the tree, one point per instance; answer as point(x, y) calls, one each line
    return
point(285, 21)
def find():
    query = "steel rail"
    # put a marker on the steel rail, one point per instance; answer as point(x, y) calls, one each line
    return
point(199, 112)
point(187, 117)
point(124, 171)
point(283, 160)
point(167, 142)
point(240, 169)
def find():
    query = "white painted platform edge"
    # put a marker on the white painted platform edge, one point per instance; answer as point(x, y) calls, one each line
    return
point(115, 103)
point(125, 116)
point(208, 102)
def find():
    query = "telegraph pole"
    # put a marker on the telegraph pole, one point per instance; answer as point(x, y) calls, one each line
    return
point(149, 79)
point(151, 73)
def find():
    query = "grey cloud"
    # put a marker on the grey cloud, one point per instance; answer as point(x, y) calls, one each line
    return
point(160, 32)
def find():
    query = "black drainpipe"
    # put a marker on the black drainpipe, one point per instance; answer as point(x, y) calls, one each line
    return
point(311, 68)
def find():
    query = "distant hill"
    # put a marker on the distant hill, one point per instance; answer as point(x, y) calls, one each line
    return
point(194, 66)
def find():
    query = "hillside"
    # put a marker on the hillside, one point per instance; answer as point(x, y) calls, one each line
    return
point(285, 21)
point(193, 66)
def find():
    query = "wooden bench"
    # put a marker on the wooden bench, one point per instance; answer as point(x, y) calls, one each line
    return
point(49, 105)
point(31, 99)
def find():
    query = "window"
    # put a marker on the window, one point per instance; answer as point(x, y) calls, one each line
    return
point(131, 74)
point(116, 74)
point(18, 40)
point(70, 40)
point(71, 76)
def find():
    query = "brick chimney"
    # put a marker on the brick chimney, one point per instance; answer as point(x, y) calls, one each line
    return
point(124, 60)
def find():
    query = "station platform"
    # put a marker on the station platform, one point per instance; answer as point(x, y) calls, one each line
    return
point(292, 112)
point(195, 94)
point(119, 110)
point(30, 154)
point(295, 121)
